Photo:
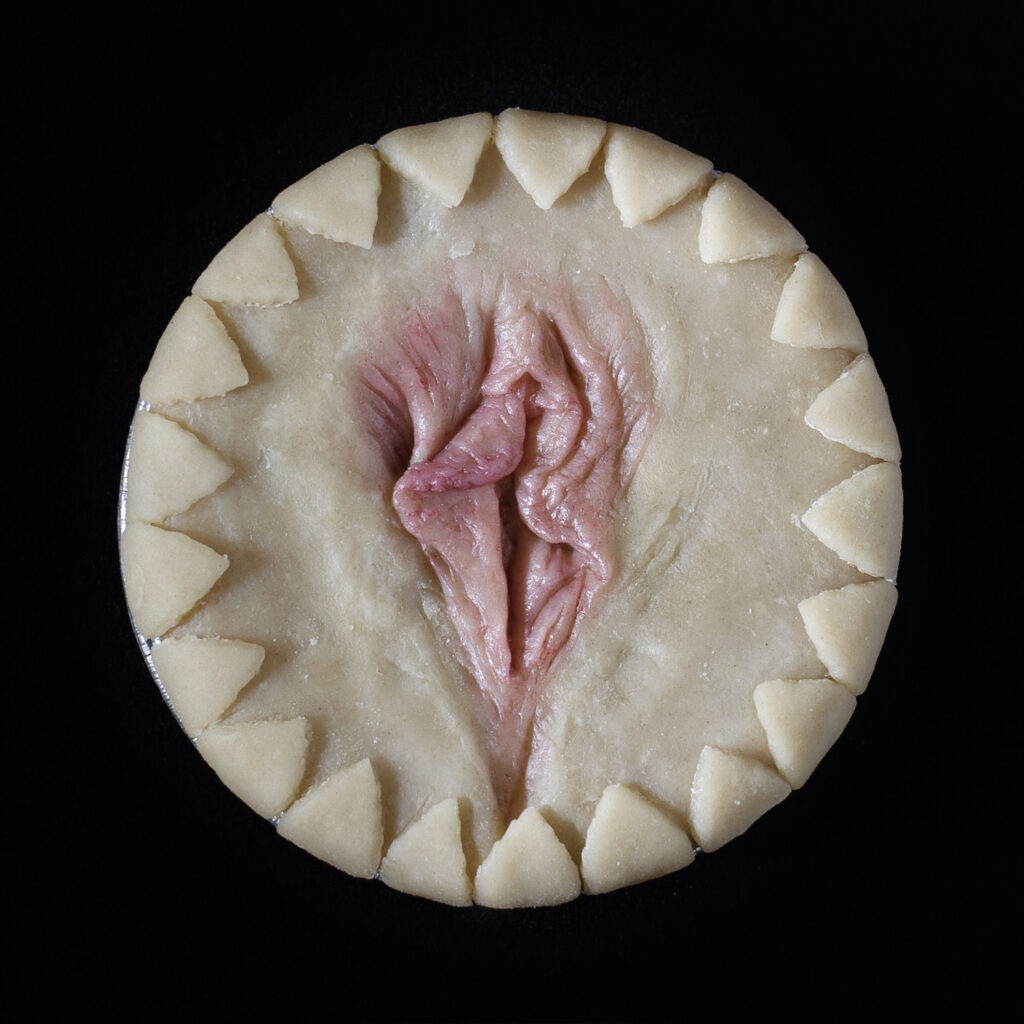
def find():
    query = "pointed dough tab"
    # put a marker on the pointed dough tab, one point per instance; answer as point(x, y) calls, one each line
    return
point(338, 200)
point(194, 358)
point(169, 469)
point(854, 410)
point(861, 519)
point(648, 174)
point(428, 859)
point(738, 224)
point(439, 158)
point(253, 269)
point(629, 841)
point(527, 867)
point(847, 627)
point(202, 676)
point(262, 763)
point(729, 793)
point(547, 152)
point(340, 821)
point(165, 575)
point(802, 718)
point(815, 312)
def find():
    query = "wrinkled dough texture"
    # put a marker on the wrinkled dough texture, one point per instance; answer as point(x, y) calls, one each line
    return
point(516, 416)
point(710, 559)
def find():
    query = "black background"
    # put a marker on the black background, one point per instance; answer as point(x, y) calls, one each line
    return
point(138, 883)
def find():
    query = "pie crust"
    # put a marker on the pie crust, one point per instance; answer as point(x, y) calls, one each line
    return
point(751, 527)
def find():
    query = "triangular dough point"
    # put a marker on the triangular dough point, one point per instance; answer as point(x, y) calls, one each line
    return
point(253, 269)
point(729, 793)
point(527, 867)
point(861, 519)
point(169, 469)
point(630, 840)
point(194, 358)
point(802, 718)
point(738, 224)
point(340, 821)
point(262, 763)
point(815, 312)
point(202, 676)
point(648, 174)
point(428, 859)
point(440, 158)
point(165, 575)
point(847, 628)
point(854, 410)
point(547, 152)
point(338, 200)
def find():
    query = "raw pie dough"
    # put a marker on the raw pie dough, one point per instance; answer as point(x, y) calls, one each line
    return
point(537, 347)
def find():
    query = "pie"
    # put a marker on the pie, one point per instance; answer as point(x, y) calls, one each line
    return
point(513, 509)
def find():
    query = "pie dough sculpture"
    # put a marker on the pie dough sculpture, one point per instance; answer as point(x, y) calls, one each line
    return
point(513, 509)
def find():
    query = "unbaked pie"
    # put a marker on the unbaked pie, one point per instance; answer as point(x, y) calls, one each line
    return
point(513, 509)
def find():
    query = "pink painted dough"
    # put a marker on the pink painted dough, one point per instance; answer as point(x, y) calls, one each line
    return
point(517, 443)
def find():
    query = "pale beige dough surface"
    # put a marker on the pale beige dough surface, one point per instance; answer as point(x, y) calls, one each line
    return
point(713, 555)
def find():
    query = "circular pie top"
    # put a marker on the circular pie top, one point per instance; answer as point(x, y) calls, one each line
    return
point(513, 509)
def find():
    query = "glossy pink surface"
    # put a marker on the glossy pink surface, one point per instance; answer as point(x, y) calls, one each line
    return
point(512, 444)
